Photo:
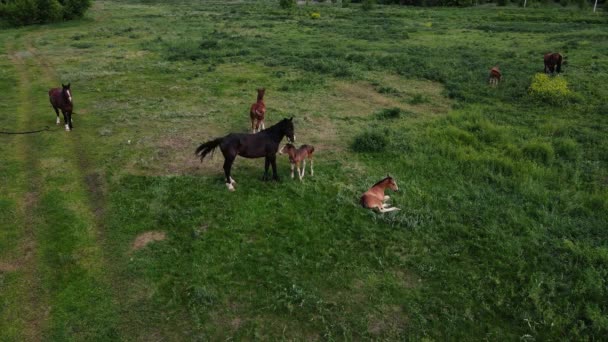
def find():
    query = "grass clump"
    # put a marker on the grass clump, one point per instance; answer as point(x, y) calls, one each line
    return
point(566, 149)
point(553, 90)
point(390, 113)
point(539, 151)
point(315, 15)
point(370, 142)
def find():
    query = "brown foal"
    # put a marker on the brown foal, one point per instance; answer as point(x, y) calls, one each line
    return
point(298, 156)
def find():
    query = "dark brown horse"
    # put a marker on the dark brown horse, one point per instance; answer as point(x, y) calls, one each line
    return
point(298, 156)
point(374, 198)
point(257, 112)
point(553, 63)
point(495, 76)
point(263, 144)
point(62, 99)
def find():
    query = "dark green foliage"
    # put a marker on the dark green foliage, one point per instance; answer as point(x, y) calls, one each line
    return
point(370, 141)
point(539, 151)
point(286, 4)
point(391, 113)
point(367, 5)
point(26, 12)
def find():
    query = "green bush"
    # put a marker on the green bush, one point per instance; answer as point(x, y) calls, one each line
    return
point(26, 12)
point(370, 142)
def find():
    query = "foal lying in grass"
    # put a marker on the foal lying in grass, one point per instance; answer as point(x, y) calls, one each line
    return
point(297, 156)
point(374, 198)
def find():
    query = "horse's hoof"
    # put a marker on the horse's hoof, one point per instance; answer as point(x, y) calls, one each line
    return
point(230, 187)
point(67, 128)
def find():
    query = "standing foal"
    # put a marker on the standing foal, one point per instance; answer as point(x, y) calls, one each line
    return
point(62, 99)
point(257, 112)
point(495, 76)
point(297, 156)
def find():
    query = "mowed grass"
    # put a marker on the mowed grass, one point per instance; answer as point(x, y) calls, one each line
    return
point(502, 232)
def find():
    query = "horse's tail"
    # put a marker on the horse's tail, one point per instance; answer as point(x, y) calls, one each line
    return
point(208, 147)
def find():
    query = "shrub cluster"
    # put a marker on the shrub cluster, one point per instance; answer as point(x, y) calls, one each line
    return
point(370, 142)
point(26, 12)
point(553, 90)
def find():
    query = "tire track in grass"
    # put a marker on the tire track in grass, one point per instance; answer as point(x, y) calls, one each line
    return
point(130, 323)
point(27, 305)
point(70, 265)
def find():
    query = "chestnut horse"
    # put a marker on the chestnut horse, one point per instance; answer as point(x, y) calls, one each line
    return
point(298, 156)
point(495, 76)
point(62, 99)
point(374, 198)
point(553, 62)
point(257, 112)
point(264, 144)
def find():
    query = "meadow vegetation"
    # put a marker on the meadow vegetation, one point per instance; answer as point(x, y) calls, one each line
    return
point(503, 190)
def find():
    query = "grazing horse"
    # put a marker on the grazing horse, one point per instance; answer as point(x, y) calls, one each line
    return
point(62, 99)
point(495, 76)
point(257, 112)
point(553, 62)
point(297, 156)
point(263, 144)
point(374, 198)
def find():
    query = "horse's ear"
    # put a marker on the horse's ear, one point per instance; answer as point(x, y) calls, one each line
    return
point(69, 85)
point(62, 85)
point(291, 118)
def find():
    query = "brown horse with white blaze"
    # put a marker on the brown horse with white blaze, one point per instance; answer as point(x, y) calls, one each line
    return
point(374, 198)
point(257, 112)
point(62, 99)
point(297, 156)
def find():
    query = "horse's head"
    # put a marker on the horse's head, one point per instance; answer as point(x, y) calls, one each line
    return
point(261, 92)
point(390, 183)
point(67, 93)
point(288, 148)
point(288, 129)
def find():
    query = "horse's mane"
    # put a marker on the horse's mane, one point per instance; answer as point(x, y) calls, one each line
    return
point(384, 179)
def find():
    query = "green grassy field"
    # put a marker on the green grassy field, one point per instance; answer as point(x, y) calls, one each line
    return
point(504, 195)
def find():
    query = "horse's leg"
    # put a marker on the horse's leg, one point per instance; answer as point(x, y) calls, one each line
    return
point(387, 197)
point(312, 170)
point(70, 120)
point(262, 124)
point(293, 165)
point(252, 125)
point(298, 168)
point(57, 112)
point(273, 162)
point(65, 120)
point(386, 210)
point(303, 169)
point(228, 160)
point(266, 165)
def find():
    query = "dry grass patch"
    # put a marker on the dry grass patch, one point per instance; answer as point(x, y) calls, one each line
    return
point(143, 239)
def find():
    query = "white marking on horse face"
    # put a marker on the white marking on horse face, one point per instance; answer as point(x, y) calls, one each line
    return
point(69, 95)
